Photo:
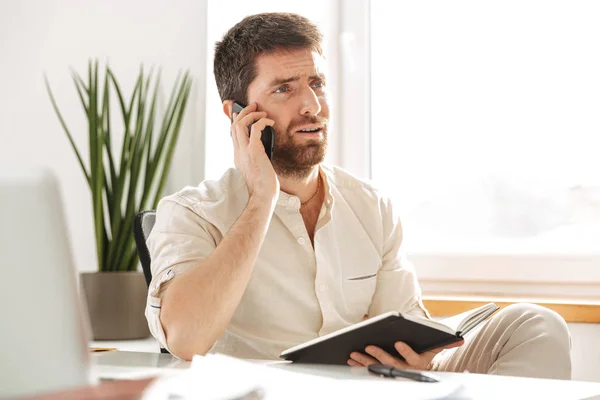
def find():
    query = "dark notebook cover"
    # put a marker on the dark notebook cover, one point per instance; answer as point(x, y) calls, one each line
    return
point(383, 333)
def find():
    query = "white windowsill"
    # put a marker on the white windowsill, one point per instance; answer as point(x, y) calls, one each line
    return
point(549, 276)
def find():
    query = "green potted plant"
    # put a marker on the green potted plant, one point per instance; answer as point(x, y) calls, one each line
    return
point(123, 181)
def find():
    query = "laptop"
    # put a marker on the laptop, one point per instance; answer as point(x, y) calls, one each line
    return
point(44, 330)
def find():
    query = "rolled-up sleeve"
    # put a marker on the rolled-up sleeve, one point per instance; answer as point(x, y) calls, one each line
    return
point(180, 240)
point(397, 288)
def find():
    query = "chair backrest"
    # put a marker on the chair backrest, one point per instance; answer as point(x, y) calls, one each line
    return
point(142, 226)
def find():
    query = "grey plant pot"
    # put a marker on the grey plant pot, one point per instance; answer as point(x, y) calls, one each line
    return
point(116, 302)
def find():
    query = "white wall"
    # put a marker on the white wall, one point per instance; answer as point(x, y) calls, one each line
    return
point(49, 36)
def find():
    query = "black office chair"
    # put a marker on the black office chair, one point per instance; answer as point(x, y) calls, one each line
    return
point(142, 226)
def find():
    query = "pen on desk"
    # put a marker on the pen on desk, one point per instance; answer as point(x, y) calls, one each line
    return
point(389, 371)
point(98, 349)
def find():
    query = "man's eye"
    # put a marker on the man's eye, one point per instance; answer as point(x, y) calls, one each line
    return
point(281, 89)
point(318, 84)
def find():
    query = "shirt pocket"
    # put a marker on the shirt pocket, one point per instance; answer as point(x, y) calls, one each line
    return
point(362, 277)
point(358, 294)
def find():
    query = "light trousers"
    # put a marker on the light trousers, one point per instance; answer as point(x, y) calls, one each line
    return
point(520, 340)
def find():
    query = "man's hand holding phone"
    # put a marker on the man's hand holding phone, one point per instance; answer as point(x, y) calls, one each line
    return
point(249, 154)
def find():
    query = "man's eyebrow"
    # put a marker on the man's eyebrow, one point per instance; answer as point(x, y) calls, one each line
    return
point(317, 76)
point(281, 81)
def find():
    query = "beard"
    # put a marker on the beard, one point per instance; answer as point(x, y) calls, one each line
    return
point(296, 160)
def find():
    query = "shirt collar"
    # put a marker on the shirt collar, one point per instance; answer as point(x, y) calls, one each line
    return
point(293, 202)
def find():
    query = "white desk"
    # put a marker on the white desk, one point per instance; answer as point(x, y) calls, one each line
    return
point(139, 364)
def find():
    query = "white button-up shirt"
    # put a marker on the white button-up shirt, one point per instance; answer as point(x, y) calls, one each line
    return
point(296, 292)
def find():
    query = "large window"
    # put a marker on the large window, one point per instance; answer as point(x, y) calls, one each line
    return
point(485, 129)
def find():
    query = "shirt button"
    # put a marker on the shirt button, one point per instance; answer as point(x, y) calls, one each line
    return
point(322, 288)
point(301, 240)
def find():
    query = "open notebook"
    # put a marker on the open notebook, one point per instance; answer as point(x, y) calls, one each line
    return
point(420, 333)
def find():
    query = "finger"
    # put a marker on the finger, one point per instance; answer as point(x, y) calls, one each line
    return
point(233, 134)
point(363, 359)
point(353, 363)
point(233, 118)
point(241, 126)
point(384, 357)
point(249, 119)
point(246, 110)
point(255, 137)
point(238, 137)
point(257, 128)
point(240, 133)
point(412, 358)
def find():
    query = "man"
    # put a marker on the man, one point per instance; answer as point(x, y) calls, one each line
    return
point(277, 253)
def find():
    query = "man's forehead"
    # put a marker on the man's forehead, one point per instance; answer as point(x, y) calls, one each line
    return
point(289, 63)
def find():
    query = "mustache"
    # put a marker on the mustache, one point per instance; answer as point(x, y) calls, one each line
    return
point(313, 119)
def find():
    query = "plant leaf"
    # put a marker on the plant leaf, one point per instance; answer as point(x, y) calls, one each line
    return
point(105, 124)
point(136, 148)
point(97, 167)
point(81, 88)
point(69, 136)
point(149, 133)
point(183, 99)
point(119, 189)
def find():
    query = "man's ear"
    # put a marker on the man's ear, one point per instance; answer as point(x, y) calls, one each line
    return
point(227, 107)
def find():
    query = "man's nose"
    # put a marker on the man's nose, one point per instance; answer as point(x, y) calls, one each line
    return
point(310, 103)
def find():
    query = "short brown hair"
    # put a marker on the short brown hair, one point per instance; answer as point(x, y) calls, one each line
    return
point(236, 53)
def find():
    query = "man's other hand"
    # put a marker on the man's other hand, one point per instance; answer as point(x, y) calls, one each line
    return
point(413, 360)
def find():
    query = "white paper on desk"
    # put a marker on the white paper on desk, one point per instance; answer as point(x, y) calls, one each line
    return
point(216, 376)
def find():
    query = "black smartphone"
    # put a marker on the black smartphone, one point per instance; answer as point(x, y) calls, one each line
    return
point(267, 136)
